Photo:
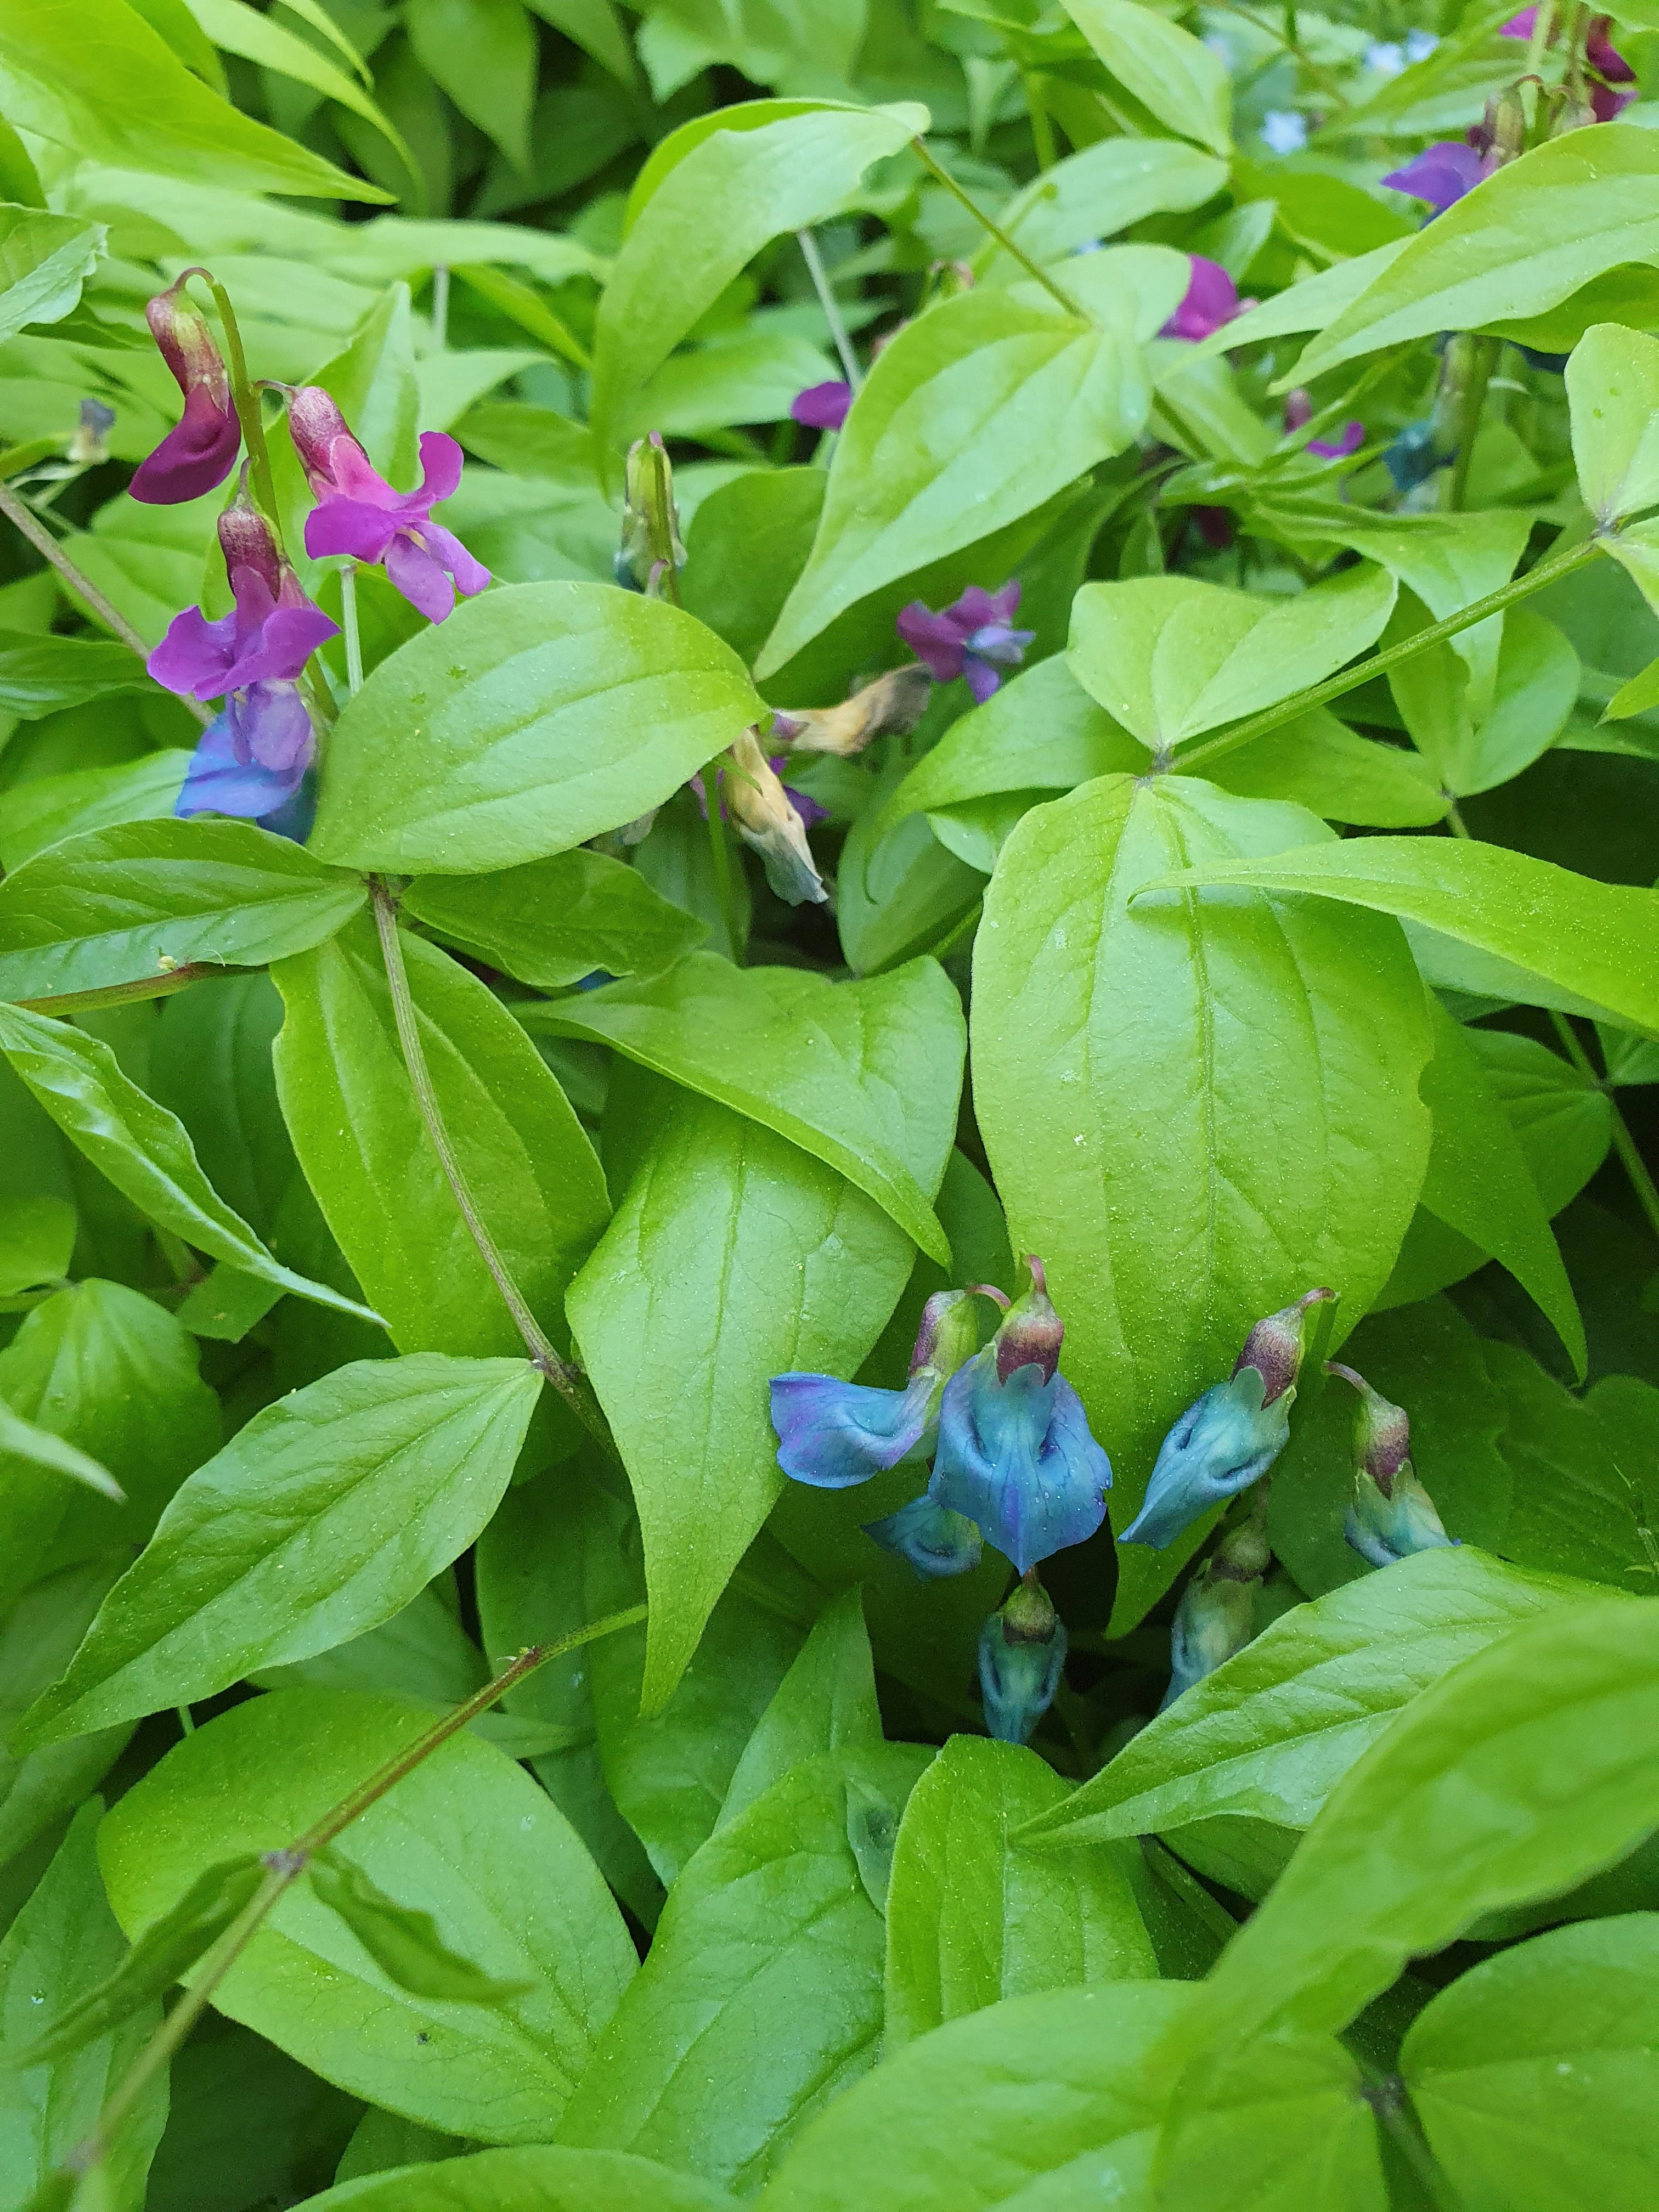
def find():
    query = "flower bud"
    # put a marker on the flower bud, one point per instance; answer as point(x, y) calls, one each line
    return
point(1021, 1650)
point(932, 1539)
point(1230, 1438)
point(314, 421)
point(200, 452)
point(1031, 1333)
point(247, 541)
point(768, 823)
point(651, 522)
point(1215, 1617)
point(893, 704)
point(1391, 1514)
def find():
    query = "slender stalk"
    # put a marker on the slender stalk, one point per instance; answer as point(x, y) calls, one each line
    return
point(354, 647)
point(1387, 2098)
point(245, 401)
point(1624, 1143)
point(1479, 358)
point(51, 552)
point(440, 307)
point(1350, 679)
point(542, 1357)
point(1543, 29)
point(995, 230)
point(284, 1868)
point(1043, 125)
point(120, 994)
point(827, 300)
point(720, 857)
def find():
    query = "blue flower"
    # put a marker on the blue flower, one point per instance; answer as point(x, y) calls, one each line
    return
point(933, 1540)
point(834, 1434)
point(1021, 1650)
point(1391, 1514)
point(1229, 1437)
point(1015, 1452)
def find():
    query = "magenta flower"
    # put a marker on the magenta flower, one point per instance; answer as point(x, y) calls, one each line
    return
point(200, 452)
point(822, 406)
point(1441, 174)
point(1211, 301)
point(253, 756)
point(1603, 57)
point(1298, 411)
point(360, 514)
point(968, 638)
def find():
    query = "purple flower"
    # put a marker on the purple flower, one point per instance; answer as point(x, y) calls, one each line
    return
point(1441, 174)
point(253, 756)
point(360, 514)
point(1603, 57)
point(968, 637)
point(1298, 411)
point(822, 406)
point(200, 453)
point(1210, 301)
point(1015, 1451)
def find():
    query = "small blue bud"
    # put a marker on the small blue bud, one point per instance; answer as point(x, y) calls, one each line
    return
point(1215, 1617)
point(1021, 1650)
point(1391, 1514)
point(933, 1540)
point(834, 1434)
point(1231, 1437)
point(1015, 1453)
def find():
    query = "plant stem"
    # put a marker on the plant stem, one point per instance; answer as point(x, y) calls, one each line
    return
point(995, 230)
point(1350, 679)
point(54, 554)
point(440, 307)
point(827, 300)
point(284, 1868)
point(1042, 127)
point(1387, 2098)
point(1624, 1143)
point(1478, 359)
point(121, 994)
point(542, 1357)
point(720, 857)
point(354, 648)
point(246, 402)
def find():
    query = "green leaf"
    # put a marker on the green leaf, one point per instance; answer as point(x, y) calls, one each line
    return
point(466, 1836)
point(1536, 230)
point(1231, 1066)
point(37, 1235)
point(733, 1256)
point(45, 259)
point(1053, 2099)
point(21, 1439)
point(709, 198)
point(1318, 763)
point(976, 413)
point(351, 1113)
point(1592, 946)
point(64, 1942)
point(483, 52)
point(1268, 1735)
point(1510, 1779)
point(97, 79)
point(1533, 2073)
point(542, 2179)
point(973, 1918)
point(761, 1997)
point(320, 1519)
point(38, 1637)
point(1613, 392)
point(1097, 192)
point(141, 1147)
point(1169, 72)
point(1472, 746)
point(37, 814)
point(41, 675)
point(595, 26)
point(114, 1374)
point(864, 1075)
point(162, 1954)
point(236, 28)
point(1478, 1182)
point(117, 904)
point(403, 1941)
point(1282, 2126)
point(1169, 657)
point(827, 1700)
point(554, 921)
point(536, 717)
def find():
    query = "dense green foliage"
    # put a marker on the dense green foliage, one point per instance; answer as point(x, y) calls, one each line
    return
point(1036, 674)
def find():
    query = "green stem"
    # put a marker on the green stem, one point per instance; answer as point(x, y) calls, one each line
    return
point(1043, 128)
point(720, 857)
point(440, 307)
point(1478, 359)
point(1385, 2095)
point(54, 554)
point(542, 1357)
point(121, 994)
point(354, 648)
point(1349, 679)
point(1622, 1142)
point(245, 400)
point(284, 1868)
point(995, 230)
point(827, 300)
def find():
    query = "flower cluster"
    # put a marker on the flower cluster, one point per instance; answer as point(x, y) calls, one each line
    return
point(1013, 1460)
point(253, 757)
